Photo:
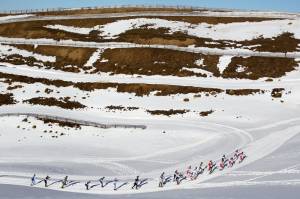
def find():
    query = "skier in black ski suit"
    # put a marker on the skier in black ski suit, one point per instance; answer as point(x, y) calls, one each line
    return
point(46, 181)
point(64, 182)
point(136, 183)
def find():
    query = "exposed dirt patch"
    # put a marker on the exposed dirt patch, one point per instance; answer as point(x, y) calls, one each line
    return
point(64, 103)
point(114, 10)
point(277, 92)
point(151, 61)
point(167, 112)
point(242, 92)
point(6, 99)
point(258, 67)
point(69, 59)
point(137, 89)
point(285, 42)
point(206, 113)
point(214, 20)
point(121, 108)
point(14, 87)
point(60, 123)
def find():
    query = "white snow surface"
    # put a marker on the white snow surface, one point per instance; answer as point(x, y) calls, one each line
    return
point(265, 128)
point(224, 61)
point(10, 17)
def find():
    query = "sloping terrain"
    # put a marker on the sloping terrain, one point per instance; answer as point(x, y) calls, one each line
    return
point(153, 93)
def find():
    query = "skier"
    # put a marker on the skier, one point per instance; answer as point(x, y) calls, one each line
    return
point(87, 185)
point(189, 172)
point(46, 181)
point(176, 177)
point(242, 157)
point(201, 170)
point(115, 184)
point(33, 180)
point(136, 183)
point(64, 182)
point(101, 180)
point(195, 173)
point(161, 180)
point(236, 154)
point(222, 165)
point(231, 162)
point(224, 160)
point(210, 165)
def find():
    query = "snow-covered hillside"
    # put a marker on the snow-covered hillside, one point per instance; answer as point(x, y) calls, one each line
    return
point(88, 96)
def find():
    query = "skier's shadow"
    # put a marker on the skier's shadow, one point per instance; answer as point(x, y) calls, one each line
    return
point(71, 183)
point(55, 182)
point(38, 182)
point(168, 179)
point(143, 182)
point(117, 188)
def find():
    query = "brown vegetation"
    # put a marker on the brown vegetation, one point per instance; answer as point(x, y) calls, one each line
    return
point(206, 113)
point(257, 67)
point(277, 92)
point(285, 42)
point(6, 99)
point(92, 10)
point(152, 61)
point(64, 103)
point(60, 123)
point(241, 92)
point(167, 112)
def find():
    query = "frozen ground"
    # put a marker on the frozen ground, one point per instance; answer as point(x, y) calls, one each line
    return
point(267, 129)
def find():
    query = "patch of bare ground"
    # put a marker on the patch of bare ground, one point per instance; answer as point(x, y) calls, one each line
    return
point(113, 10)
point(14, 87)
point(242, 92)
point(152, 61)
point(121, 108)
point(36, 30)
point(69, 59)
point(258, 67)
point(64, 103)
point(137, 89)
point(286, 42)
point(7, 99)
point(167, 112)
point(206, 113)
point(213, 20)
point(60, 123)
point(277, 92)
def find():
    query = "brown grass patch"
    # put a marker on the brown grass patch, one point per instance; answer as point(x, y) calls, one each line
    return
point(60, 123)
point(151, 61)
point(213, 20)
point(121, 108)
point(258, 67)
point(285, 42)
point(167, 112)
point(113, 10)
point(137, 89)
point(64, 103)
point(6, 99)
point(69, 59)
point(205, 113)
point(243, 92)
point(277, 92)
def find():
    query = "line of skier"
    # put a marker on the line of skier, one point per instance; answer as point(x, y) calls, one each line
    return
point(211, 167)
point(177, 177)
